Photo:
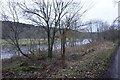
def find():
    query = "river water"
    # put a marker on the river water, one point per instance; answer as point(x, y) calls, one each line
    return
point(9, 51)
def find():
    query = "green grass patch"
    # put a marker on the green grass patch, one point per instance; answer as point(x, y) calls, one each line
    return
point(31, 41)
point(24, 41)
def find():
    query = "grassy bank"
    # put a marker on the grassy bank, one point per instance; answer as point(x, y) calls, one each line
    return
point(24, 41)
point(33, 41)
point(91, 65)
point(81, 61)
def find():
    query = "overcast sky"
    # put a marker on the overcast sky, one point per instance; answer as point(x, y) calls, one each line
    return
point(106, 10)
point(103, 9)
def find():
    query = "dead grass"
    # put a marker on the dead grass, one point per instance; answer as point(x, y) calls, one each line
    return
point(81, 61)
point(90, 65)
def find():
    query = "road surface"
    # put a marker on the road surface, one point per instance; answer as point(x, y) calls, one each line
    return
point(113, 70)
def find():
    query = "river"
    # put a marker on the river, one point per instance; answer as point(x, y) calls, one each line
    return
point(9, 51)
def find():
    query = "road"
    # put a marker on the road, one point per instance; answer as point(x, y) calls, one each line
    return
point(113, 71)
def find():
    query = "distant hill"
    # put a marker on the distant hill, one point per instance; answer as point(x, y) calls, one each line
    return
point(31, 31)
point(25, 30)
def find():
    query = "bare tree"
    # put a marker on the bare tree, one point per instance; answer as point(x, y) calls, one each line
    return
point(47, 15)
point(71, 21)
point(11, 13)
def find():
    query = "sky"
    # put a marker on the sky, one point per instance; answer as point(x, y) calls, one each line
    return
point(106, 10)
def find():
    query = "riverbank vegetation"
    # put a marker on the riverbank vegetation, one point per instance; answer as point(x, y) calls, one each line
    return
point(81, 61)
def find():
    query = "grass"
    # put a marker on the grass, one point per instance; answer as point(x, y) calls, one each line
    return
point(90, 66)
point(29, 41)
point(78, 65)
point(25, 41)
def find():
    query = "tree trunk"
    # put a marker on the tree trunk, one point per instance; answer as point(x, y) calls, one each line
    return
point(50, 52)
point(63, 41)
point(49, 41)
point(22, 52)
point(49, 46)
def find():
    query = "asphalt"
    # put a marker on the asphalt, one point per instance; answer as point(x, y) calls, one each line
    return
point(113, 70)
